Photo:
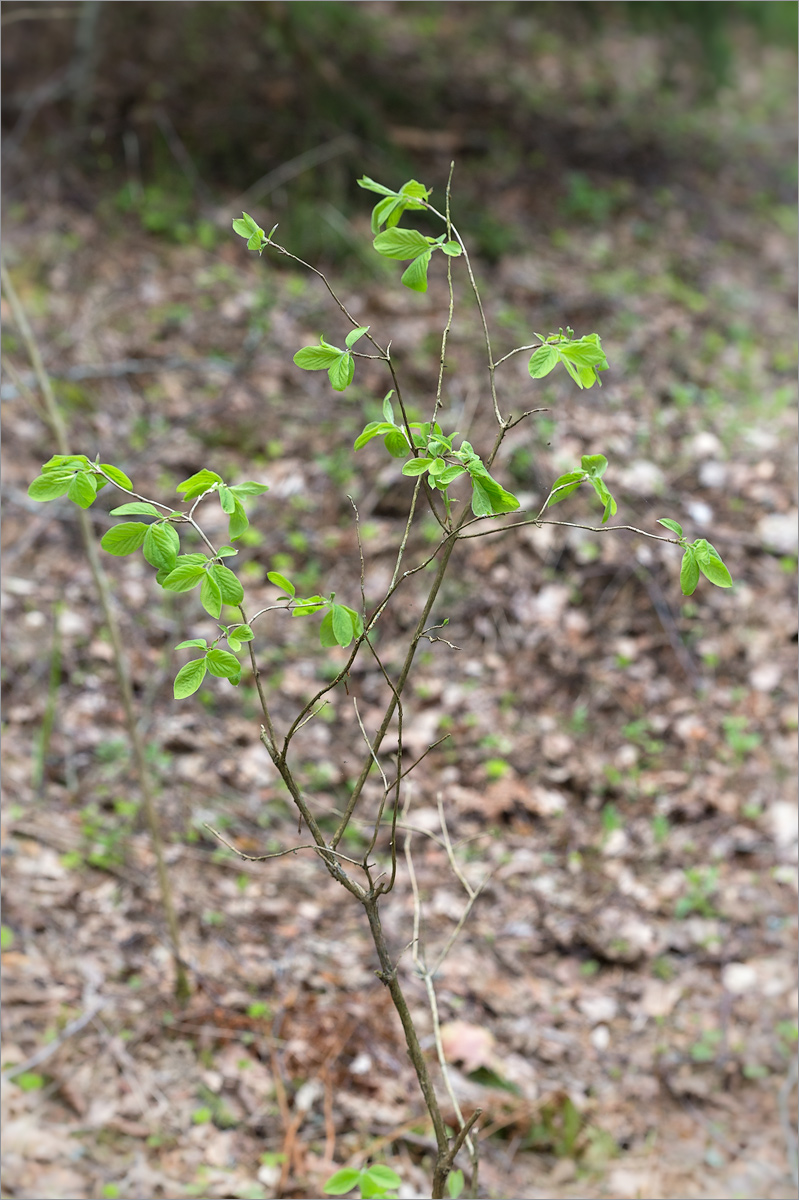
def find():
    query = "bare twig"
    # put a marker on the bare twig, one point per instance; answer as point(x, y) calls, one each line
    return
point(56, 422)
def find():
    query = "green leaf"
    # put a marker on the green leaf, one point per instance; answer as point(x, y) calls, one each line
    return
point(281, 582)
point(249, 488)
point(307, 605)
point(564, 490)
point(372, 430)
point(211, 595)
point(455, 1184)
point(342, 1181)
point(50, 486)
point(189, 678)
point(689, 572)
point(226, 551)
point(245, 226)
point(594, 465)
point(448, 476)
point(238, 522)
point(342, 624)
point(65, 462)
point(397, 444)
point(437, 467)
point(229, 585)
point(198, 483)
point(125, 538)
point(711, 566)
point(417, 466)
point(341, 372)
point(401, 243)
point(489, 498)
point(116, 476)
point(161, 545)
point(82, 491)
point(586, 352)
point(327, 634)
point(415, 276)
point(317, 358)
point(354, 334)
point(185, 575)
point(382, 1175)
point(674, 526)
point(452, 248)
point(543, 360)
point(223, 664)
point(226, 498)
point(142, 507)
point(388, 409)
point(371, 186)
point(201, 642)
point(242, 633)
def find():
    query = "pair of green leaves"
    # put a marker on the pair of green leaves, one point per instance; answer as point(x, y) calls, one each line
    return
point(403, 244)
point(214, 661)
point(340, 624)
point(444, 465)
point(339, 364)
point(230, 496)
point(248, 228)
point(374, 1182)
point(73, 476)
point(699, 557)
point(592, 468)
point(409, 243)
point(582, 357)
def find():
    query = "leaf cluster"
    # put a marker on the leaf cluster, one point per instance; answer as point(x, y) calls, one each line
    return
point(340, 624)
point(699, 557)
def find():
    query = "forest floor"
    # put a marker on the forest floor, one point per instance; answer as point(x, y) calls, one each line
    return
point(622, 1001)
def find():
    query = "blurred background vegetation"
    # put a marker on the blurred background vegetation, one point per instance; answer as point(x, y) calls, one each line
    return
point(169, 108)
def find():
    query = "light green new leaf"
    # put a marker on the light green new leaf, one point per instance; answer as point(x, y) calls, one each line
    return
point(388, 408)
point(125, 538)
point(342, 624)
point(383, 1176)
point(65, 462)
point(222, 663)
point(226, 551)
point(317, 358)
point(201, 642)
point(245, 226)
point(689, 572)
point(226, 498)
point(83, 491)
point(397, 444)
point(116, 476)
point(249, 488)
point(161, 545)
point(308, 605)
point(198, 483)
point(489, 498)
point(141, 507)
point(211, 595)
point(354, 334)
point(594, 465)
point(452, 248)
point(50, 486)
point(238, 522)
point(229, 585)
point(242, 633)
point(281, 582)
point(401, 243)
point(345, 1180)
point(543, 360)
point(674, 526)
point(710, 564)
point(185, 575)
point(415, 276)
point(189, 678)
point(341, 372)
point(417, 466)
